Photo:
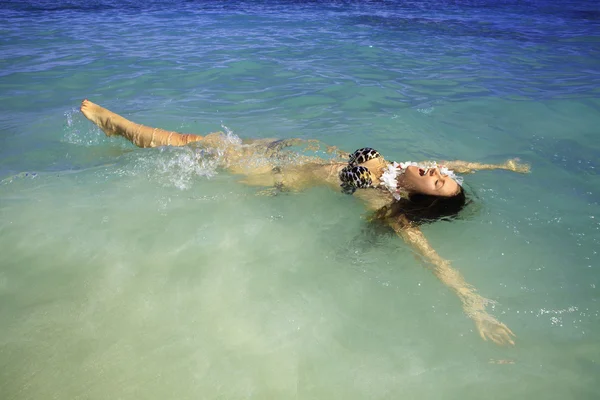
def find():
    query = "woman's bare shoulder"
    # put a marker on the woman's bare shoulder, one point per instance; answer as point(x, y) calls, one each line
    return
point(374, 198)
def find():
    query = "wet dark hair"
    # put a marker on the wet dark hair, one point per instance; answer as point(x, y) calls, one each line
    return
point(423, 208)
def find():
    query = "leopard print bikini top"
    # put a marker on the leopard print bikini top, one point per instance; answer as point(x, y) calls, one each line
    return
point(355, 176)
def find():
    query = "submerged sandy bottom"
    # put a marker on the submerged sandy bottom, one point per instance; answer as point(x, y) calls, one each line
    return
point(122, 281)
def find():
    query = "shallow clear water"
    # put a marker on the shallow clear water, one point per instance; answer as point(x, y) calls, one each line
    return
point(135, 273)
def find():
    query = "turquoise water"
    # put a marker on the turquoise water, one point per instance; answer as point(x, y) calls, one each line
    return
point(149, 273)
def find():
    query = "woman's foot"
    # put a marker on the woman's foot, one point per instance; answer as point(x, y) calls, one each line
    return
point(100, 116)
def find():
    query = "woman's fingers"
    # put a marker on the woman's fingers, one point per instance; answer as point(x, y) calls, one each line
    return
point(503, 337)
point(482, 333)
point(509, 331)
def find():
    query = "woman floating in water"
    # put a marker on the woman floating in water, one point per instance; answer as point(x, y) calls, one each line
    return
point(402, 196)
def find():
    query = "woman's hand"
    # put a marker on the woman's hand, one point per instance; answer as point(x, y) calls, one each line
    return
point(490, 328)
point(514, 165)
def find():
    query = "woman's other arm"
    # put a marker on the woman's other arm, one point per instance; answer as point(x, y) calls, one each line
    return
point(473, 303)
point(465, 167)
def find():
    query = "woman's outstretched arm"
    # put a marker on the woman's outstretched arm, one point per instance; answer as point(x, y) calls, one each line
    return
point(473, 303)
point(465, 167)
point(140, 135)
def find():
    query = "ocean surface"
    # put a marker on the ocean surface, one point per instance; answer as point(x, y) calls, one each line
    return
point(131, 273)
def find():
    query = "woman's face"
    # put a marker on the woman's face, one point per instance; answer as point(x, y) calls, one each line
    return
point(428, 181)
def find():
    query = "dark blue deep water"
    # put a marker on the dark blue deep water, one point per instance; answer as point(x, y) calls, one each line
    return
point(149, 273)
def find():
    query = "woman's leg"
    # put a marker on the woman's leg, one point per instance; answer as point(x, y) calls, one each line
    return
point(306, 171)
point(140, 135)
